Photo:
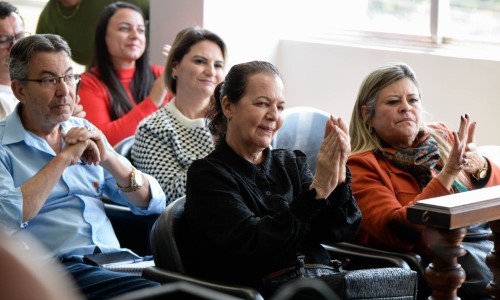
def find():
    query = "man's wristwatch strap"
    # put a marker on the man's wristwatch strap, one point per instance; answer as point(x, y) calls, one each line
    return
point(135, 182)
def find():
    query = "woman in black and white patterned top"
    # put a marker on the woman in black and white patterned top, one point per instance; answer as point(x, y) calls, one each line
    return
point(169, 140)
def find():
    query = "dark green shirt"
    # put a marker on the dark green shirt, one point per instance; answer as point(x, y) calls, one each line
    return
point(78, 28)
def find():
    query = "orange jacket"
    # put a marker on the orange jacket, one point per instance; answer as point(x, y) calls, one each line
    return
point(383, 193)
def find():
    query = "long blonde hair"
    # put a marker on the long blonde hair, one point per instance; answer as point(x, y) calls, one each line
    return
point(363, 139)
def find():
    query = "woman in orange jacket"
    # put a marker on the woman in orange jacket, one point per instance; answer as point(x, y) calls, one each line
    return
point(397, 160)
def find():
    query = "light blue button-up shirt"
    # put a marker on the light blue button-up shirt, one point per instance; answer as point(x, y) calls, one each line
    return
point(72, 221)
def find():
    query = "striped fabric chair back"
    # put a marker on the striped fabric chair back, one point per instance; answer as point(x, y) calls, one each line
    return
point(303, 129)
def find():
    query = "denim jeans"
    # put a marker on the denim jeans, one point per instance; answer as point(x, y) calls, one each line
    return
point(99, 283)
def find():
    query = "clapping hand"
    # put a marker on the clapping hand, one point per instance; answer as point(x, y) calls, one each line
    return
point(472, 161)
point(455, 161)
point(463, 154)
point(165, 51)
point(78, 109)
point(331, 159)
point(345, 146)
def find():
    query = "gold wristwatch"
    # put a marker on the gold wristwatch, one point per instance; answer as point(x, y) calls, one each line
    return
point(481, 173)
point(136, 181)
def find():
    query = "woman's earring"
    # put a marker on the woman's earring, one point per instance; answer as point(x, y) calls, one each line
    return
point(174, 77)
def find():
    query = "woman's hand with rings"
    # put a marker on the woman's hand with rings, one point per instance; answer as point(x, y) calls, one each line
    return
point(466, 162)
point(455, 161)
point(472, 161)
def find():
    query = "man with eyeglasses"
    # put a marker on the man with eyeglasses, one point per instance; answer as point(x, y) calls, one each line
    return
point(11, 30)
point(55, 169)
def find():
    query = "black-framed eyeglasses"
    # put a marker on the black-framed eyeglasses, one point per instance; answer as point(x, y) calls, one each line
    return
point(7, 40)
point(55, 80)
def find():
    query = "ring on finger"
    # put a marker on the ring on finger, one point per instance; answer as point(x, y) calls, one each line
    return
point(467, 162)
point(89, 129)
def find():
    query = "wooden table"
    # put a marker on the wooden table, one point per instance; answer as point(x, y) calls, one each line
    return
point(446, 219)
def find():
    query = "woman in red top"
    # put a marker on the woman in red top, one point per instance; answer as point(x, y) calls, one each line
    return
point(121, 88)
point(397, 159)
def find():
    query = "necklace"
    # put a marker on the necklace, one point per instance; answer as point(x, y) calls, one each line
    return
point(67, 17)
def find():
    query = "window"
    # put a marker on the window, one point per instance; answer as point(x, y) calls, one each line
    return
point(436, 21)
point(400, 17)
point(476, 20)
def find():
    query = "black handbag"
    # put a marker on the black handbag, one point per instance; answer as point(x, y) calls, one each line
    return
point(378, 283)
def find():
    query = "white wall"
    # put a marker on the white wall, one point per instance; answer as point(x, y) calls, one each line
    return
point(328, 75)
point(248, 27)
point(167, 17)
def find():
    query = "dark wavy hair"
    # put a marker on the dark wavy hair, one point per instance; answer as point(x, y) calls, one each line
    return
point(143, 79)
point(234, 87)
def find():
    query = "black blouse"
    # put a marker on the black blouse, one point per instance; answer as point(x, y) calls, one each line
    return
point(248, 220)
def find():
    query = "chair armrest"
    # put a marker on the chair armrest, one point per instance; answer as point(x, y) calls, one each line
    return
point(361, 257)
point(165, 276)
point(133, 231)
point(410, 260)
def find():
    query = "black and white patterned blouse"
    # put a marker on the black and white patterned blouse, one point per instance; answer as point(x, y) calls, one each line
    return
point(166, 143)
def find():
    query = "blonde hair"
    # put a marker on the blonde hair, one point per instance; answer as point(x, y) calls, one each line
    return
point(363, 138)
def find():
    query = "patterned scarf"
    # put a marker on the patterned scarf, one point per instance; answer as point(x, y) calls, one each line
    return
point(419, 160)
